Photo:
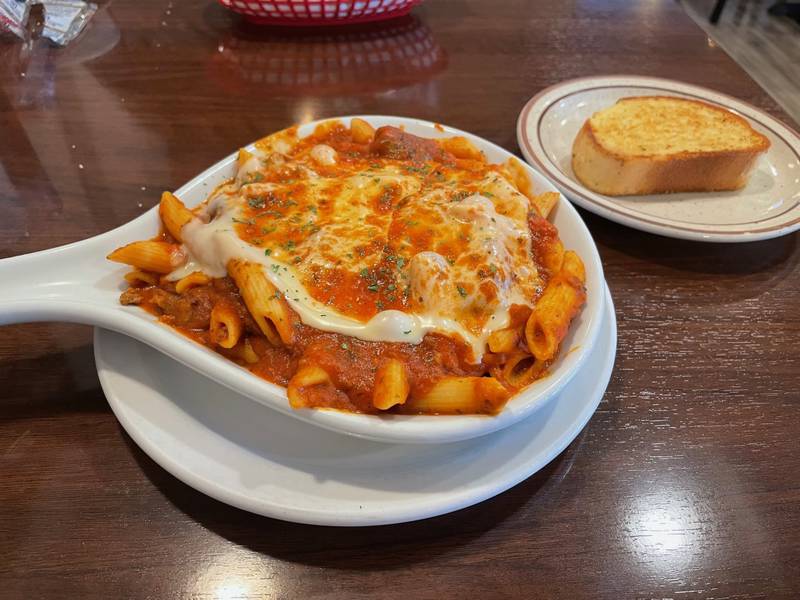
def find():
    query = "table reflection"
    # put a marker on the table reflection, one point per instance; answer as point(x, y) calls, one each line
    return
point(665, 528)
point(32, 65)
point(353, 60)
point(233, 573)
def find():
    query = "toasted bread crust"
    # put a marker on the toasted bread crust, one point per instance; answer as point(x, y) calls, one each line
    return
point(615, 174)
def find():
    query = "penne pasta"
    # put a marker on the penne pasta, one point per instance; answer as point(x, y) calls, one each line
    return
point(470, 164)
point(225, 326)
point(280, 141)
point(553, 257)
point(391, 385)
point(192, 280)
point(573, 267)
point(306, 377)
point(242, 352)
point(174, 215)
point(266, 305)
point(555, 309)
point(516, 173)
point(545, 202)
point(138, 278)
point(362, 132)
point(461, 395)
point(461, 147)
point(150, 255)
point(247, 352)
point(504, 340)
point(521, 369)
point(242, 157)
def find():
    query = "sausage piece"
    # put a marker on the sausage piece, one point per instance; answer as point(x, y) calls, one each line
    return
point(395, 143)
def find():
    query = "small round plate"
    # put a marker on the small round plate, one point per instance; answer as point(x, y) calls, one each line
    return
point(254, 458)
point(768, 207)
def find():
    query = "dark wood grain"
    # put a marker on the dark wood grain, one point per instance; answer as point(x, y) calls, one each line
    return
point(683, 485)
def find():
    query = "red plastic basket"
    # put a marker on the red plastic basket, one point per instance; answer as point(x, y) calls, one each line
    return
point(319, 12)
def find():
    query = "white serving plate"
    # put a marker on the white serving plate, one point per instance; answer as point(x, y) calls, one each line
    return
point(768, 207)
point(76, 283)
point(245, 455)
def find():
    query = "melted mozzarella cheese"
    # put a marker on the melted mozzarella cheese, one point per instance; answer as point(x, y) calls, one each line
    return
point(494, 239)
point(323, 154)
point(462, 260)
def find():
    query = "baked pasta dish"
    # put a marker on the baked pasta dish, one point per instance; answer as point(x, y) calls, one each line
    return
point(367, 271)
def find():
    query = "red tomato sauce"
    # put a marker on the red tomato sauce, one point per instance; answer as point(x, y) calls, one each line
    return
point(351, 363)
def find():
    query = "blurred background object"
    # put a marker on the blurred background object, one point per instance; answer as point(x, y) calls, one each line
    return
point(65, 19)
point(59, 172)
point(14, 17)
point(763, 36)
point(319, 12)
point(60, 21)
point(785, 8)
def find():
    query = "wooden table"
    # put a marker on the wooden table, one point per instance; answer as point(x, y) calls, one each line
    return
point(683, 485)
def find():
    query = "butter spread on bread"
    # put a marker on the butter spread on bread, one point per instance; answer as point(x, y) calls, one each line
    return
point(662, 144)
